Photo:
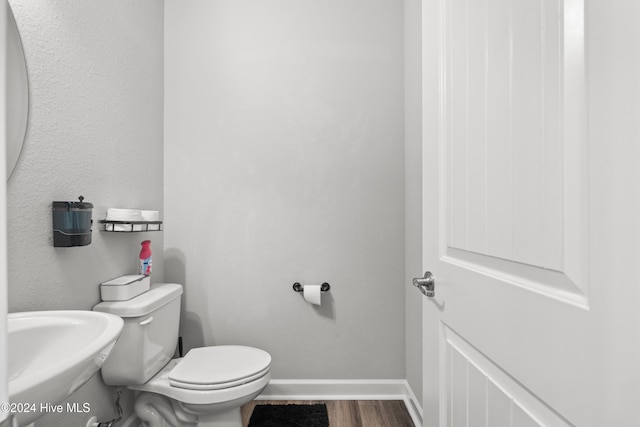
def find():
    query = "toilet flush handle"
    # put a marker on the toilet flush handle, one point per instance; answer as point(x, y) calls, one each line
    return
point(147, 321)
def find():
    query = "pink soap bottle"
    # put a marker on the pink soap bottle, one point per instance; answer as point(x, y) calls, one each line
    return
point(145, 258)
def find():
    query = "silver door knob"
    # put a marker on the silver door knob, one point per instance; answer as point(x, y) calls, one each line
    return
point(426, 284)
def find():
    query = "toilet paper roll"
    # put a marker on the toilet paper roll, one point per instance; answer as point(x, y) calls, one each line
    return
point(118, 214)
point(312, 294)
point(150, 215)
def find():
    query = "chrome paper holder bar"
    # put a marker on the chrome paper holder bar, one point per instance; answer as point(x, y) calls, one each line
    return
point(325, 287)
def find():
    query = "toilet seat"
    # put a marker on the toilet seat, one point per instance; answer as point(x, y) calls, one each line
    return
point(219, 367)
point(159, 384)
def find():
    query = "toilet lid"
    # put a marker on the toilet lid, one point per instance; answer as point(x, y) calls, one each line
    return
point(211, 368)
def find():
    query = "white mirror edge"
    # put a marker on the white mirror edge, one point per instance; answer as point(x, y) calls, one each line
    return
point(17, 93)
point(4, 382)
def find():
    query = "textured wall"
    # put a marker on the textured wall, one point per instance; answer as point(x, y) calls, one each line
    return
point(95, 129)
point(284, 162)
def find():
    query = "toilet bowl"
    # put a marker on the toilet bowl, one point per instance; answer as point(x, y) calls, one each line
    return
point(204, 388)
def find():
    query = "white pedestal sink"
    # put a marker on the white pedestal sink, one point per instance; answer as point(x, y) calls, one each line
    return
point(51, 354)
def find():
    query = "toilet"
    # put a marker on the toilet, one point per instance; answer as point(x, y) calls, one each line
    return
point(204, 388)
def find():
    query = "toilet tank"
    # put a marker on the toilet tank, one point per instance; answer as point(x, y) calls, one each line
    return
point(149, 336)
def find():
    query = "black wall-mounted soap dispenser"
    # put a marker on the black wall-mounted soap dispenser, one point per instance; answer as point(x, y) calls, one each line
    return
point(72, 223)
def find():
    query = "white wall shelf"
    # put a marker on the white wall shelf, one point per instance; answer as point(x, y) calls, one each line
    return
point(130, 226)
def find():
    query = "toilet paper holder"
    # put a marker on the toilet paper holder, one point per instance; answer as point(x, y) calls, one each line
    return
point(323, 288)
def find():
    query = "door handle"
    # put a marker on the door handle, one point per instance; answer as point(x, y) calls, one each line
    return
point(426, 284)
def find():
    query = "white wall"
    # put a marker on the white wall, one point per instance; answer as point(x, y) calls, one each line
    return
point(413, 190)
point(95, 129)
point(284, 162)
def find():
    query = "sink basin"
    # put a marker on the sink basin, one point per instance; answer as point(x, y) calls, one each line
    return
point(52, 353)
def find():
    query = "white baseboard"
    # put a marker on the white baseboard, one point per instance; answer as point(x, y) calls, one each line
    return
point(414, 406)
point(345, 390)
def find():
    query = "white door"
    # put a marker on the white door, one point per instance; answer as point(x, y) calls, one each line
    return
point(531, 199)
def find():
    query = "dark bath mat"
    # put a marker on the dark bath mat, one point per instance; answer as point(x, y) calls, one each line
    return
point(290, 416)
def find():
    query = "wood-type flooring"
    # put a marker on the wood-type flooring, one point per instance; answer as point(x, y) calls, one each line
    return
point(349, 413)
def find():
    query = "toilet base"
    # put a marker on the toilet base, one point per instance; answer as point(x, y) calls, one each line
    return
point(230, 418)
point(155, 410)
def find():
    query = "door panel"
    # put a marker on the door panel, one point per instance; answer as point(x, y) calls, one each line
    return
point(481, 394)
point(512, 193)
